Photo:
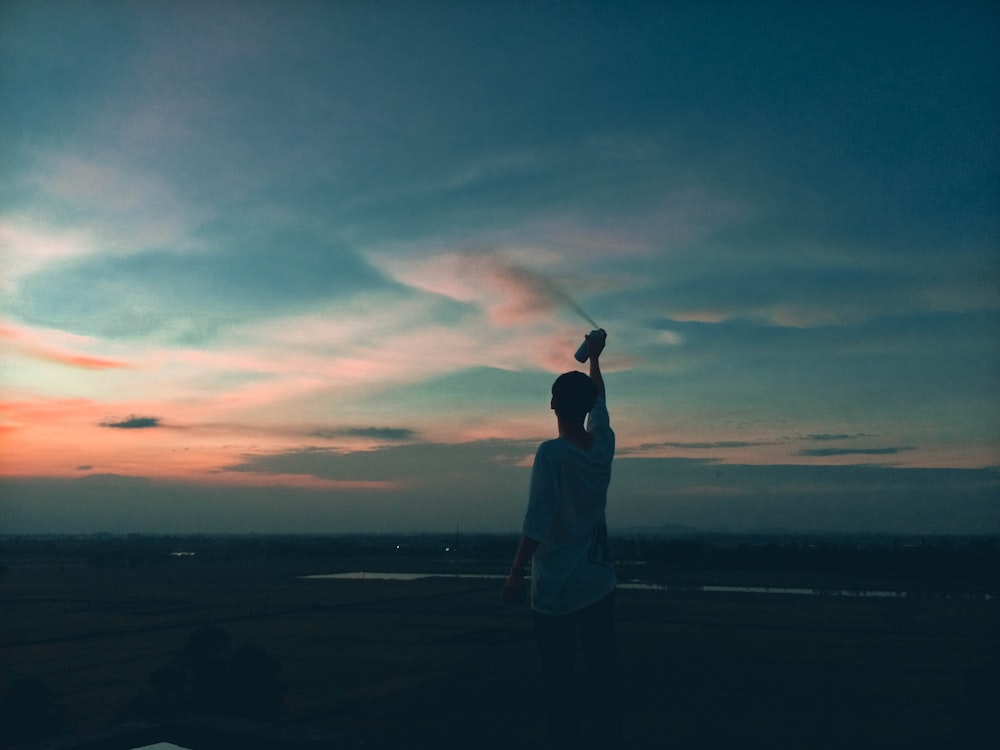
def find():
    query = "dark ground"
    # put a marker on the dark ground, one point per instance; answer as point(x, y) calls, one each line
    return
point(440, 663)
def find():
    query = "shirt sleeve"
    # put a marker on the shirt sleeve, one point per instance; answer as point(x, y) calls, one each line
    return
point(542, 497)
point(599, 420)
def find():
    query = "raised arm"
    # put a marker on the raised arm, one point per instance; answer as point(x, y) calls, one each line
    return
point(596, 347)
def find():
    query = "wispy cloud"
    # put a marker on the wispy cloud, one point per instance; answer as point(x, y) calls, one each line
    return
point(508, 291)
point(651, 448)
point(388, 434)
point(27, 247)
point(827, 437)
point(47, 346)
point(103, 210)
point(825, 452)
point(418, 464)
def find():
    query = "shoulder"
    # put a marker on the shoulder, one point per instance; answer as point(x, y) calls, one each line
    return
point(545, 449)
point(554, 452)
point(549, 447)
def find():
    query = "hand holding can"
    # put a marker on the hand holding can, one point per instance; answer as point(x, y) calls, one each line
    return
point(593, 340)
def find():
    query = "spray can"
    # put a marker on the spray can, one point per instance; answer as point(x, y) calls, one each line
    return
point(584, 351)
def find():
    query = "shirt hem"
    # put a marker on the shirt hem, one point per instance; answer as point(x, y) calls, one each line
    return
point(554, 613)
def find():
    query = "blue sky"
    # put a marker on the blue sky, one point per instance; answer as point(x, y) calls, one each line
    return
point(317, 256)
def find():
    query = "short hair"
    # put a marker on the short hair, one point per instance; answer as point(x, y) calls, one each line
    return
point(573, 395)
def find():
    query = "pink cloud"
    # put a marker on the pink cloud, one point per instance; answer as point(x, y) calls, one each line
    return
point(79, 360)
point(509, 293)
point(50, 346)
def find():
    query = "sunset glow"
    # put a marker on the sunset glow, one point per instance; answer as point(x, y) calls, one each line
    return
point(337, 253)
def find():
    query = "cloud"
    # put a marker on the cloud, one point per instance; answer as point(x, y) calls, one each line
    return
point(82, 361)
point(415, 463)
point(134, 423)
point(70, 210)
point(134, 208)
point(708, 445)
point(244, 272)
point(375, 342)
point(825, 452)
point(823, 437)
point(497, 282)
point(54, 346)
point(25, 249)
point(391, 434)
point(667, 448)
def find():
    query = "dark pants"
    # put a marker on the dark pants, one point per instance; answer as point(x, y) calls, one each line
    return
point(556, 636)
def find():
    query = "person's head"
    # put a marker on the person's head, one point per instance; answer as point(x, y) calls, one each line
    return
point(573, 396)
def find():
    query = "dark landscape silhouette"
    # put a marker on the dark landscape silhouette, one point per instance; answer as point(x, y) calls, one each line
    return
point(222, 641)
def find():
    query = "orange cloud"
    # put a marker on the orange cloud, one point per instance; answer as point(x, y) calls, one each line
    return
point(81, 361)
point(37, 345)
point(56, 437)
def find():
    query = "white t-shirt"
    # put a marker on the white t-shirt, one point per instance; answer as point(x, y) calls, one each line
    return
point(572, 567)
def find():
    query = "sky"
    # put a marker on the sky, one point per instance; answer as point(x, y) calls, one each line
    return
point(313, 266)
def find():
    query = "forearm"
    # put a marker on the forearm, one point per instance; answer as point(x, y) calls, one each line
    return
point(513, 589)
point(524, 552)
point(595, 375)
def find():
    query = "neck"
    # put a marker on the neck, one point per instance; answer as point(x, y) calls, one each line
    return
point(571, 430)
point(576, 434)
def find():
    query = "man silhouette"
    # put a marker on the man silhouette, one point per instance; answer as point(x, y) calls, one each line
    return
point(565, 537)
